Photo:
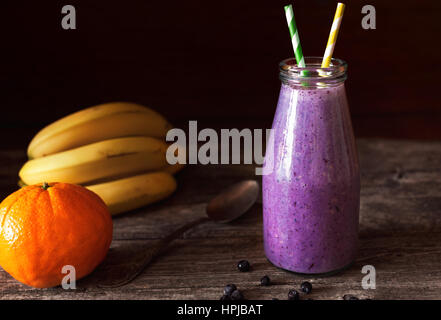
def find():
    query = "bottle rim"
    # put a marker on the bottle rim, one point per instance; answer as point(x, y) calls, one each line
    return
point(313, 72)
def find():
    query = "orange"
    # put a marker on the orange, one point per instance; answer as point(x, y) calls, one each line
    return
point(45, 227)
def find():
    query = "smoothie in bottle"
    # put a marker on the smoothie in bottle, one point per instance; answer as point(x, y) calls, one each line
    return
point(311, 183)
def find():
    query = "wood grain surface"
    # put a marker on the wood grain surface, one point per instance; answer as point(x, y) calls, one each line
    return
point(400, 233)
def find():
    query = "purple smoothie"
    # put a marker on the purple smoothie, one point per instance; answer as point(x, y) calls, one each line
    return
point(311, 197)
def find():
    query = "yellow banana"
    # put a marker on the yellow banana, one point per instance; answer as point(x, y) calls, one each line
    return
point(173, 169)
point(134, 192)
point(21, 184)
point(102, 122)
point(103, 160)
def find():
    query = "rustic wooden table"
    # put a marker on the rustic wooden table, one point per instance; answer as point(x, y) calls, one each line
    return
point(400, 233)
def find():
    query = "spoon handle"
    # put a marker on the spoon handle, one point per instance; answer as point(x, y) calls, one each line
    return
point(151, 254)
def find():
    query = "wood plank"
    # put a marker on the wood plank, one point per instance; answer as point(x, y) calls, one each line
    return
point(400, 234)
point(407, 268)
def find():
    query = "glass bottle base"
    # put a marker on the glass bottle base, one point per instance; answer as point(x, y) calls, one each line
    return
point(322, 274)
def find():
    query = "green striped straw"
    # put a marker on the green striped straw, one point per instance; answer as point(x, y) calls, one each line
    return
point(294, 33)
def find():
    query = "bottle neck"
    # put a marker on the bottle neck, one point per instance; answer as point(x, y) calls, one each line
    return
point(313, 76)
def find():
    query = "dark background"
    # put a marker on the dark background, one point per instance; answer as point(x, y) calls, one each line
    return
point(215, 61)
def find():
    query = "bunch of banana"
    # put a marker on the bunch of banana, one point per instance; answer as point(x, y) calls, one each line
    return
point(116, 150)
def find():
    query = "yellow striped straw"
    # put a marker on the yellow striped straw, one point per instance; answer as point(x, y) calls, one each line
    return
point(333, 35)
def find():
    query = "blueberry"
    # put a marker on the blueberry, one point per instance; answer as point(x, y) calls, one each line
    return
point(225, 297)
point(243, 266)
point(293, 295)
point(229, 288)
point(306, 287)
point(236, 295)
point(349, 297)
point(265, 281)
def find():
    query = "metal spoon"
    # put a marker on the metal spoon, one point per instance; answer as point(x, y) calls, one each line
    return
point(225, 207)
